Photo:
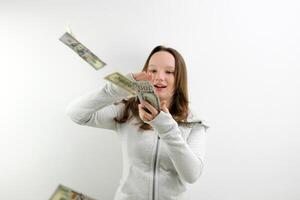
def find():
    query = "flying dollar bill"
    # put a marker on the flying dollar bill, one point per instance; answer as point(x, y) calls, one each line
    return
point(69, 40)
point(121, 81)
point(145, 91)
point(64, 193)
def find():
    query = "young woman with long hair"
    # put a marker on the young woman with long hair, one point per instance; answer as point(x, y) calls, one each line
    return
point(162, 150)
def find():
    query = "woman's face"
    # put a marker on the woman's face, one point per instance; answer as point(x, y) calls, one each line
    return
point(162, 67)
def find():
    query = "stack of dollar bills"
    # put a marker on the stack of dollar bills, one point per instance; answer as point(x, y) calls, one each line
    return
point(144, 90)
point(64, 193)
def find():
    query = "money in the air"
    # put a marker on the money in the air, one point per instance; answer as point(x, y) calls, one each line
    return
point(121, 81)
point(64, 193)
point(82, 51)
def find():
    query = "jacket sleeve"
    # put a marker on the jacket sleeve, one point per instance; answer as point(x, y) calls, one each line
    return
point(96, 108)
point(187, 157)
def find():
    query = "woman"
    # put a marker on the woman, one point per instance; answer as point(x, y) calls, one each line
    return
point(163, 150)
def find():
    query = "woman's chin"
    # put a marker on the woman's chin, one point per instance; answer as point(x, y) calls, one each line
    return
point(161, 98)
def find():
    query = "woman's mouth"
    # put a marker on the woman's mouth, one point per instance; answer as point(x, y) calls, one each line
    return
point(159, 87)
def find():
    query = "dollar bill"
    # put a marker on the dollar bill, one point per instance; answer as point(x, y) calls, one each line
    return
point(121, 81)
point(64, 193)
point(145, 91)
point(69, 40)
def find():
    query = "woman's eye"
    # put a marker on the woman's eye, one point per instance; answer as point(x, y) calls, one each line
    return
point(152, 70)
point(169, 72)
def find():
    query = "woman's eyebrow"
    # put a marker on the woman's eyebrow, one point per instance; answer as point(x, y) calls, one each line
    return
point(168, 66)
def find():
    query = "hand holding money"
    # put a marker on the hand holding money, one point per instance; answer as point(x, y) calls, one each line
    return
point(152, 111)
point(146, 92)
point(141, 87)
point(146, 77)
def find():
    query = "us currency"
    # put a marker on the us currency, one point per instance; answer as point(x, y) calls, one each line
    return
point(121, 81)
point(64, 193)
point(69, 40)
point(145, 91)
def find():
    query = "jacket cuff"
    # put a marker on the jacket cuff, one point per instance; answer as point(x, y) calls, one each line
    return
point(163, 123)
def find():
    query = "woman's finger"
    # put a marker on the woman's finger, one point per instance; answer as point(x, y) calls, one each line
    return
point(140, 76)
point(137, 75)
point(149, 76)
point(150, 108)
point(143, 76)
point(143, 114)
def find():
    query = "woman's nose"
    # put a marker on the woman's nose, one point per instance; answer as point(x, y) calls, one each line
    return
point(159, 75)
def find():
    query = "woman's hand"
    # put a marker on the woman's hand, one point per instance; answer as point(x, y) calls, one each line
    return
point(146, 116)
point(142, 76)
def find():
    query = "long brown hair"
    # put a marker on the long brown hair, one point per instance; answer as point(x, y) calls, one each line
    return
point(179, 104)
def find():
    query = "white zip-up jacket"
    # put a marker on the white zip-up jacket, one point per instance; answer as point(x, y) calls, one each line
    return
point(158, 164)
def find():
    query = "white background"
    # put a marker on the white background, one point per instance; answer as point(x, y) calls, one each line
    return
point(243, 65)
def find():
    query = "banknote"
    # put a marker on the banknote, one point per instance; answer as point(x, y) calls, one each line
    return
point(69, 40)
point(121, 81)
point(145, 91)
point(64, 193)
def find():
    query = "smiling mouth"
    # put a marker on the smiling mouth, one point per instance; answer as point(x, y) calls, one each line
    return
point(160, 86)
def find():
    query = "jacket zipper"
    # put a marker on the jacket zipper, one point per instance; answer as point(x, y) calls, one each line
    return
point(154, 169)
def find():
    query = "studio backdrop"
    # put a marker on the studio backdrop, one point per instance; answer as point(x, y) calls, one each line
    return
point(243, 64)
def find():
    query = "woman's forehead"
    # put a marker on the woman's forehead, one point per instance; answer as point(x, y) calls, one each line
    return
point(162, 59)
